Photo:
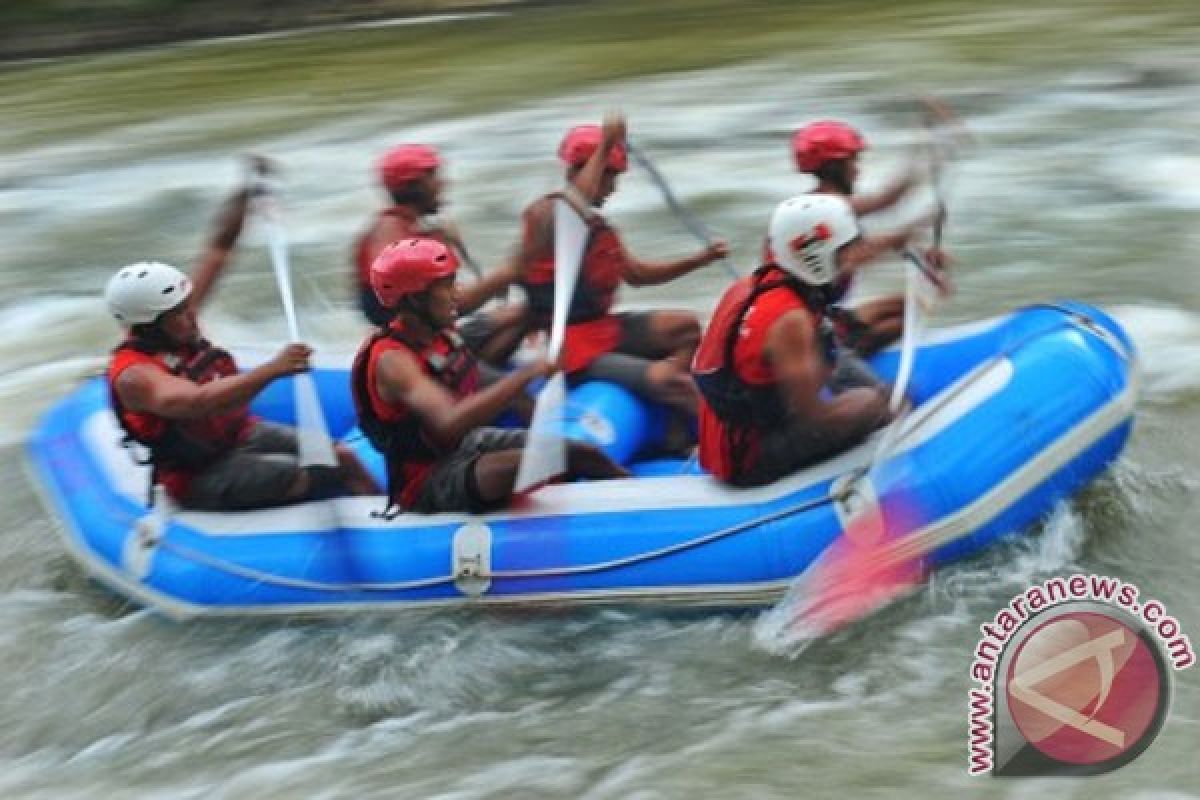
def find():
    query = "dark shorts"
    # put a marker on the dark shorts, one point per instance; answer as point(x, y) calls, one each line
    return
point(798, 445)
point(258, 474)
point(851, 372)
point(628, 364)
point(452, 485)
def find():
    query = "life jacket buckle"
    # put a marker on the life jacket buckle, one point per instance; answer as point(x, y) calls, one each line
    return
point(388, 513)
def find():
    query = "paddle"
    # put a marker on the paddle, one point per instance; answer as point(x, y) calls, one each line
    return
point(869, 566)
point(544, 456)
point(315, 446)
point(922, 285)
point(454, 237)
point(686, 217)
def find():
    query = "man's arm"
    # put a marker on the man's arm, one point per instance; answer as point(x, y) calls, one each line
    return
point(589, 178)
point(227, 227)
point(887, 197)
point(492, 284)
point(145, 388)
point(802, 373)
point(400, 379)
point(865, 249)
point(651, 273)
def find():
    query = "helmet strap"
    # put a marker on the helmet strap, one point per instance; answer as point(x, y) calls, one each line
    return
point(152, 335)
point(414, 195)
point(416, 306)
point(835, 174)
point(818, 297)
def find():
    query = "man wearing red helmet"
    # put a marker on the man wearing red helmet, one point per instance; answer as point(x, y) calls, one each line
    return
point(828, 150)
point(410, 175)
point(646, 352)
point(419, 399)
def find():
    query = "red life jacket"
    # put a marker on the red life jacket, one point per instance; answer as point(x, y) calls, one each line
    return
point(393, 429)
point(592, 330)
point(364, 249)
point(740, 399)
point(179, 449)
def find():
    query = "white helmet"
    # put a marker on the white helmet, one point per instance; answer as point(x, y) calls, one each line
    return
point(806, 232)
point(137, 294)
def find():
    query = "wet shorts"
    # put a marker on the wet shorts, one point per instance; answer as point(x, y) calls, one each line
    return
point(452, 485)
point(798, 445)
point(851, 372)
point(257, 474)
point(627, 365)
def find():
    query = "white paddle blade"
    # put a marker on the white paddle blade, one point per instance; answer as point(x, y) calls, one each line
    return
point(315, 449)
point(277, 243)
point(908, 344)
point(312, 433)
point(545, 455)
point(570, 237)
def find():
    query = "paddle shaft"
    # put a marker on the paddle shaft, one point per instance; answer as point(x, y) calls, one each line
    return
point(681, 212)
point(315, 447)
point(544, 455)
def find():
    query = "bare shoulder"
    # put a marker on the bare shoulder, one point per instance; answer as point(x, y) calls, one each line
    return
point(398, 367)
point(138, 385)
point(790, 334)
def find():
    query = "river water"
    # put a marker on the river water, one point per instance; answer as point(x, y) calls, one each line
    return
point(1083, 182)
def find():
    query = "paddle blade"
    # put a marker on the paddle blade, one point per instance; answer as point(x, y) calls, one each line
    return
point(570, 237)
point(277, 245)
point(914, 323)
point(315, 448)
point(545, 455)
point(872, 564)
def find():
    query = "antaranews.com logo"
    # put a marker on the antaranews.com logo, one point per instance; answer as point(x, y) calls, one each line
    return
point(1074, 678)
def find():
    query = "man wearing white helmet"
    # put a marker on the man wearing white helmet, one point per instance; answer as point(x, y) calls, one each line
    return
point(186, 401)
point(776, 392)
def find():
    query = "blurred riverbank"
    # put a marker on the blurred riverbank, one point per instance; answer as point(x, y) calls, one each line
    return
point(49, 28)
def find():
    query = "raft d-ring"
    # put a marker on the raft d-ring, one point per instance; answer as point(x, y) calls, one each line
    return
point(471, 559)
point(141, 542)
point(1103, 334)
point(598, 427)
point(857, 507)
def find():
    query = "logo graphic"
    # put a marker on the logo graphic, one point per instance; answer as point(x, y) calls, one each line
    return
point(1086, 690)
point(1074, 678)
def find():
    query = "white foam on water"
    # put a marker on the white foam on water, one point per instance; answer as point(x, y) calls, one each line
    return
point(1168, 345)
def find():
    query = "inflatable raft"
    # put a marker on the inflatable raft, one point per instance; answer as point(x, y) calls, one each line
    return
point(1011, 415)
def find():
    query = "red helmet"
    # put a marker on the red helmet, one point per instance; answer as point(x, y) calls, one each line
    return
point(406, 163)
point(582, 140)
point(827, 140)
point(410, 266)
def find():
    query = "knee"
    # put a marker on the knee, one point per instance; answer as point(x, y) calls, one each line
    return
point(892, 306)
point(683, 330)
point(668, 377)
point(511, 315)
point(300, 487)
point(345, 456)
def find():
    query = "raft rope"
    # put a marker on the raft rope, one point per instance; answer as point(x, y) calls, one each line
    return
point(273, 579)
point(848, 487)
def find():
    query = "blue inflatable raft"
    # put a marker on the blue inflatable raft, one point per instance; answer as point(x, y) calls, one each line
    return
point(1011, 415)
